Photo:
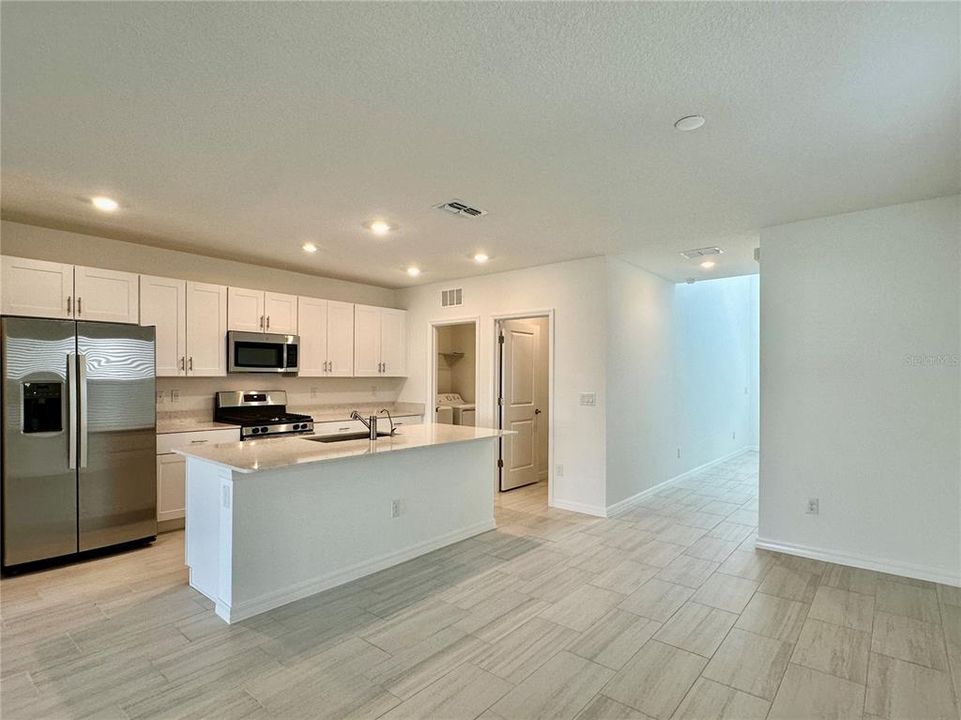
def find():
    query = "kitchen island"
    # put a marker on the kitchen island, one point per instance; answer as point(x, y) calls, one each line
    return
point(275, 520)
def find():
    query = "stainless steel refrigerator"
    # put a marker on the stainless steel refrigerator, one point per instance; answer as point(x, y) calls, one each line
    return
point(79, 437)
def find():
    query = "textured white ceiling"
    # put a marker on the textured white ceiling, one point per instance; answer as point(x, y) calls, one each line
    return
point(243, 130)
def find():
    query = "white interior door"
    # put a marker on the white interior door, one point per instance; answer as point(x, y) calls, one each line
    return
point(163, 304)
point(106, 295)
point(312, 321)
point(281, 313)
point(245, 310)
point(206, 329)
point(518, 372)
point(36, 288)
point(340, 338)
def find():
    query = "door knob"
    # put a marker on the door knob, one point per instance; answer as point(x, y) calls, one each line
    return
point(537, 411)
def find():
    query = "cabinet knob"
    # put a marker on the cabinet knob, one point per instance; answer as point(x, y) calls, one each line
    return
point(190, 364)
point(268, 322)
point(69, 299)
point(79, 305)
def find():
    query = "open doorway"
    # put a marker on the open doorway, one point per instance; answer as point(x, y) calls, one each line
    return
point(455, 373)
point(522, 388)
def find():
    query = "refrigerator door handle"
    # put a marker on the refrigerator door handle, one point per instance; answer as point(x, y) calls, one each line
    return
point(72, 410)
point(82, 377)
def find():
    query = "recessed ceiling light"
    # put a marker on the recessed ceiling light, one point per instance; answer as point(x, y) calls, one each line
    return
point(413, 271)
point(309, 247)
point(689, 122)
point(708, 264)
point(481, 257)
point(379, 227)
point(104, 203)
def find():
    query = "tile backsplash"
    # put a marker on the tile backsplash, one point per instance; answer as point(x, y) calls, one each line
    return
point(197, 393)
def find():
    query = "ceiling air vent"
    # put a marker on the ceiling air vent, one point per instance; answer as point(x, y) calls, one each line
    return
point(452, 298)
point(701, 252)
point(459, 207)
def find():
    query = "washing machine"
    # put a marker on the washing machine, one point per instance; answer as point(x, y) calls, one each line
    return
point(461, 413)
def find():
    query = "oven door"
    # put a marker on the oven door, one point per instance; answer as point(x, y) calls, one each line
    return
point(259, 352)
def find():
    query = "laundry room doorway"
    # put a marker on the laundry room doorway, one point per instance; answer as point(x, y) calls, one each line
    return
point(455, 373)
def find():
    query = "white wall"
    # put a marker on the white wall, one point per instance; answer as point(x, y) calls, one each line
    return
point(861, 388)
point(681, 367)
point(42, 243)
point(715, 368)
point(575, 292)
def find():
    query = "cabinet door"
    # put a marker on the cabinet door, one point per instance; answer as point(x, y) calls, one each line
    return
point(36, 288)
point(366, 341)
point(245, 310)
point(106, 295)
point(171, 485)
point(393, 344)
point(163, 304)
point(281, 313)
point(312, 322)
point(340, 338)
point(206, 329)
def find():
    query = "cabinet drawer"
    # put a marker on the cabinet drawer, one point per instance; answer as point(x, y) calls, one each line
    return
point(169, 442)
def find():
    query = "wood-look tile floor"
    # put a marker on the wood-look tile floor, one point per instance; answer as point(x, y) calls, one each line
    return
point(666, 611)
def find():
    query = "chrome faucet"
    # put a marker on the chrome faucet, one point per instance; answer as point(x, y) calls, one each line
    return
point(392, 430)
point(370, 423)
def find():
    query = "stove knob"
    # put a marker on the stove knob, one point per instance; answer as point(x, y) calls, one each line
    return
point(299, 427)
point(263, 430)
point(254, 431)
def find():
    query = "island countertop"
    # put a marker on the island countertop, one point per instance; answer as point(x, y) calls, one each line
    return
point(253, 456)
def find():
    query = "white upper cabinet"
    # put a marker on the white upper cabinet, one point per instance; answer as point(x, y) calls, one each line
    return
point(312, 321)
point(340, 339)
point(380, 341)
point(393, 334)
point(326, 330)
point(36, 288)
point(206, 329)
point(245, 310)
point(106, 295)
point(281, 313)
point(259, 311)
point(163, 304)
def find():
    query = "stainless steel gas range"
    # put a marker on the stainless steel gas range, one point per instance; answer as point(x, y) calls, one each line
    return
point(260, 413)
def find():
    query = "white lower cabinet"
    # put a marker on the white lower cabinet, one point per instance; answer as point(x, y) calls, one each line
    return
point(172, 468)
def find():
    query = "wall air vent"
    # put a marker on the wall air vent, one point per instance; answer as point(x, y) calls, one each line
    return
point(452, 298)
point(459, 207)
point(701, 252)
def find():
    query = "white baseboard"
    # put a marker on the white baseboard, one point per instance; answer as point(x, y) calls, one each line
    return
point(892, 567)
point(583, 508)
point(283, 596)
point(627, 502)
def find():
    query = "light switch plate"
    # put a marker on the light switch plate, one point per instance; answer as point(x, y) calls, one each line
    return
point(589, 399)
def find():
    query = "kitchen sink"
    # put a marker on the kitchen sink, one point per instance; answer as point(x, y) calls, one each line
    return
point(344, 437)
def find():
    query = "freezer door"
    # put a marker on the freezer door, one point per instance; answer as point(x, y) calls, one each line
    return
point(39, 485)
point(117, 481)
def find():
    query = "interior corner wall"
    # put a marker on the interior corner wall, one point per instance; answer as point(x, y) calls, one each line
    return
point(574, 291)
point(861, 388)
point(640, 381)
point(681, 376)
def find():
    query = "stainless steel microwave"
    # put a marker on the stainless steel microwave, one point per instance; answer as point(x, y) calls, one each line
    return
point(249, 352)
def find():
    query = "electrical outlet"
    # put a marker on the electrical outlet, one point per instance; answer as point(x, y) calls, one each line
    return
point(373, 391)
point(395, 508)
point(589, 399)
point(174, 396)
point(314, 391)
point(813, 507)
point(559, 471)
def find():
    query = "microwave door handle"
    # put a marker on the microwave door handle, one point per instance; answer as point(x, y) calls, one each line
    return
point(82, 377)
point(72, 410)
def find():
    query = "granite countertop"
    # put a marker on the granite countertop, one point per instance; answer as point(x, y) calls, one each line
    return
point(175, 421)
point(188, 421)
point(273, 453)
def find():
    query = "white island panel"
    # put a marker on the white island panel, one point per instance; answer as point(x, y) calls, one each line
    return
point(256, 541)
